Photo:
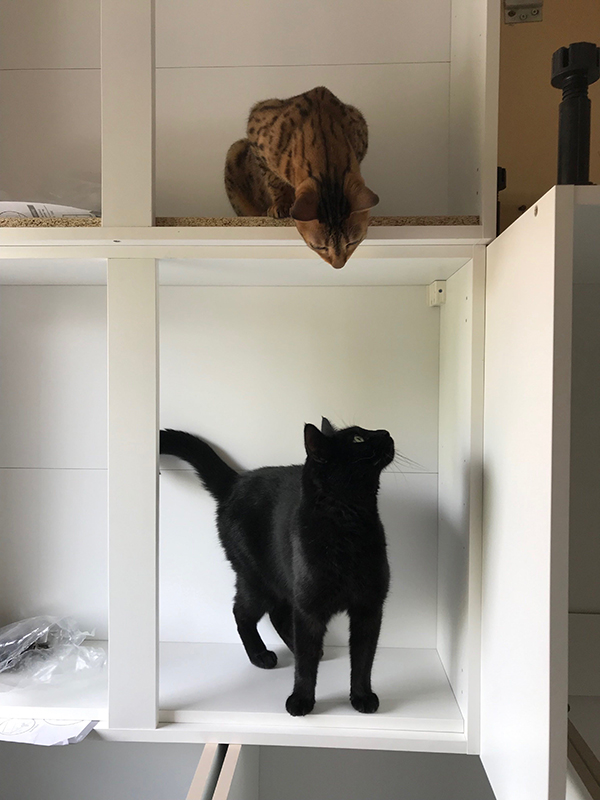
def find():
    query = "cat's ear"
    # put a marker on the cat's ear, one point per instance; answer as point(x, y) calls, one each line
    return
point(307, 203)
point(316, 443)
point(363, 199)
point(326, 427)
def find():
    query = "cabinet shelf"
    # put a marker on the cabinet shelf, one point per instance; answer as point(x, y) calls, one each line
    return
point(216, 684)
point(392, 267)
point(387, 241)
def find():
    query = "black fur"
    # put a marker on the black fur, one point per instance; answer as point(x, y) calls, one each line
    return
point(214, 473)
point(306, 543)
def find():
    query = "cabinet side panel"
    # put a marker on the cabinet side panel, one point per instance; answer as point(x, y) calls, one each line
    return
point(461, 347)
point(127, 113)
point(132, 492)
point(584, 587)
point(474, 69)
point(526, 486)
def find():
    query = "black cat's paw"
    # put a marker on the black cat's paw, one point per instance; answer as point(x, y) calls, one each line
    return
point(365, 703)
point(265, 660)
point(298, 706)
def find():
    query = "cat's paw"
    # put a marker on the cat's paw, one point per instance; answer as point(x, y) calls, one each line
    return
point(279, 211)
point(265, 660)
point(365, 703)
point(298, 705)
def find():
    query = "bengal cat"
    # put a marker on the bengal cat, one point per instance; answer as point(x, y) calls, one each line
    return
point(302, 158)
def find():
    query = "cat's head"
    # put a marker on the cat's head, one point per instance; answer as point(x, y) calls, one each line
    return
point(355, 451)
point(333, 216)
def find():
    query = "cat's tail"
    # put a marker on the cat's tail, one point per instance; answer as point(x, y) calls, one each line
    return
point(216, 476)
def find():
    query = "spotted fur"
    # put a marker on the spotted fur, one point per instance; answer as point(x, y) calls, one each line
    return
point(301, 158)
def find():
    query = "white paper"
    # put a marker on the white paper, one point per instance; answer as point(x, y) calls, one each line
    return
point(45, 731)
point(41, 210)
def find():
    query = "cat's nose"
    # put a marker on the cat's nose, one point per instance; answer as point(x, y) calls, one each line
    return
point(337, 262)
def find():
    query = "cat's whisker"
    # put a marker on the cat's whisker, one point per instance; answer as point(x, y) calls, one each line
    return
point(400, 460)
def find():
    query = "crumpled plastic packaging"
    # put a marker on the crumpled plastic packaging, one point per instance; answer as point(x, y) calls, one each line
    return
point(45, 650)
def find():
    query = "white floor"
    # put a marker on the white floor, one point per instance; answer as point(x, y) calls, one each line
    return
point(216, 684)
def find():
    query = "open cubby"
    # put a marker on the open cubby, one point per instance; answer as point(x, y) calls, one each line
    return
point(424, 75)
point(249, 350)
point(53, 472)
point(244, 367)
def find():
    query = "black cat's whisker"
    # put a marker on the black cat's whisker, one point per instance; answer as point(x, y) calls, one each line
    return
point(400, 460)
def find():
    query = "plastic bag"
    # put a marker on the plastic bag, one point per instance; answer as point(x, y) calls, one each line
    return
point(45, 650)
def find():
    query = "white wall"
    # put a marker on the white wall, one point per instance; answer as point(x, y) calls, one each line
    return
point(53, 453)
point(97, 770)
point(364, 355)
point(245, 368)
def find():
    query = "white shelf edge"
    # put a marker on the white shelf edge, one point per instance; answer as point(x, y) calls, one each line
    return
point(162, 251)
point(314, 724)
point(54, 712)
point(417, 741)
point(213, 243)
point(436, 234)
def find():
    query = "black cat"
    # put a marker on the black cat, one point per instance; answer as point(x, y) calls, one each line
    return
point(306, 542)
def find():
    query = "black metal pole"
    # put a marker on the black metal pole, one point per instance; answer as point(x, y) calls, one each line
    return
point(574, 68)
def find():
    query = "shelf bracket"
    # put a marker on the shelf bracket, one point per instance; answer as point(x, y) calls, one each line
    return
point(516, 11)
point(436, 293)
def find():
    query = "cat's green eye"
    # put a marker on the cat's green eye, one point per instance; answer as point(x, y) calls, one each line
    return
point(314, 247)
point(351, 244)
point(358, 439)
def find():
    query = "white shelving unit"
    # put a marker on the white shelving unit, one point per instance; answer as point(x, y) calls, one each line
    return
point(256, 336)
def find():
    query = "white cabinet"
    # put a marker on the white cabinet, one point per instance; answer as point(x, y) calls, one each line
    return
point(430, 363)
point(241, 335)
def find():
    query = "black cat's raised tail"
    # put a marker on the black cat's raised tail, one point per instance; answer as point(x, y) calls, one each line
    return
point(216, 476)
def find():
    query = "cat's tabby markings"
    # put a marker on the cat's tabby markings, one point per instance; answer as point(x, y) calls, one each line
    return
point(306, 543)
point(301, 158)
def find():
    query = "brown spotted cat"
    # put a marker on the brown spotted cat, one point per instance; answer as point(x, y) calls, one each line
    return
point(302, 159)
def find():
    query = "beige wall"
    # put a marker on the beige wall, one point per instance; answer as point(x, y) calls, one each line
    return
point(528, 133)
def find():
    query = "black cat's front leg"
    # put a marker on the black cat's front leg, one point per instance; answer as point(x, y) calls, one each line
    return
point(308, 643)
point(365, 624)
